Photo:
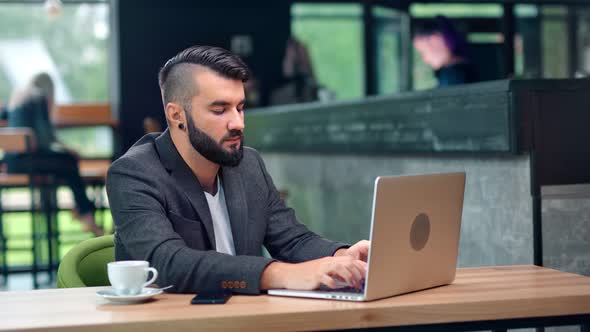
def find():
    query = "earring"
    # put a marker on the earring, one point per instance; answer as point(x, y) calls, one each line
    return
point(181, 126)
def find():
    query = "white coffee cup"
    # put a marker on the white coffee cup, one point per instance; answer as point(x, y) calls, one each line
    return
point(128, 277)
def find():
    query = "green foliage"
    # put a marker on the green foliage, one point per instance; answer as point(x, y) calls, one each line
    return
point(89, 142)
point(17, 229)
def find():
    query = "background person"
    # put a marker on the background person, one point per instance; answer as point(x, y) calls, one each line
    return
point(445, 50)
point(31, 108)
point(299, 83)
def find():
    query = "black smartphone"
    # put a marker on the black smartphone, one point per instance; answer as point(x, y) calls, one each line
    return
point(211, 297)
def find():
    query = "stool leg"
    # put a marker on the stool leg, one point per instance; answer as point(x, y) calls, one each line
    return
point(34, 237)
point(47, 214)
point(55, 226)
point(97, 205)
point(3, 245)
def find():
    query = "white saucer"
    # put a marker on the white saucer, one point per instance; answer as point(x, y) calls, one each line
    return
point(145, 294)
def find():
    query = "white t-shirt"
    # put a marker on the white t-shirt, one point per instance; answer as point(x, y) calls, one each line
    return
point(224, 240)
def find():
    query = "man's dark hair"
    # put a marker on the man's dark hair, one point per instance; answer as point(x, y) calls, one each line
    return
point(176, 79)
point(454, 40)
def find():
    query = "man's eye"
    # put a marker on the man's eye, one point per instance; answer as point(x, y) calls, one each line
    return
point(219, 111)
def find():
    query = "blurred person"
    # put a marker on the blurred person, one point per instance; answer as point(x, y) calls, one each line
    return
point(445, 50)
point(299, 83)
point(199, 206)
point(252, 90)
point(31, 108)
point(151, 125)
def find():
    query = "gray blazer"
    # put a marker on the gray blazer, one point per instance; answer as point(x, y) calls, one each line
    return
point(161, 215)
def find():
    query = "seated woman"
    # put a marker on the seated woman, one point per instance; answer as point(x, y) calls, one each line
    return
point(30, 108)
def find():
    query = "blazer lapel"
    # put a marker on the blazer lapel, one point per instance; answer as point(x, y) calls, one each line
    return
point(237, 208)
point(186, 181)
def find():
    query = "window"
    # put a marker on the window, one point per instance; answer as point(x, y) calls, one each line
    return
point(390, 33)
point(333, 34)
point(72, 47)
point(583, 42)
point(555, 41)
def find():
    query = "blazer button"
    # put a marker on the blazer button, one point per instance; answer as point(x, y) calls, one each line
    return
point(224, 284)
point(242, 284)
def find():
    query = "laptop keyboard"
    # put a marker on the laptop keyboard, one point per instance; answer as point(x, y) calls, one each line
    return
point(346, 289)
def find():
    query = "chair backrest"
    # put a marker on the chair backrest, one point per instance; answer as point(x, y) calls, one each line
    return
point(85, 265)
point(17, 139)
point(83, 115)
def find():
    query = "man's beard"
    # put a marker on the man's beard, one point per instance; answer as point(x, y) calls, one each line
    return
point(212, 150)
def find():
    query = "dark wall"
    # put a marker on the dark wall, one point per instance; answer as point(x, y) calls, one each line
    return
point(150, 32)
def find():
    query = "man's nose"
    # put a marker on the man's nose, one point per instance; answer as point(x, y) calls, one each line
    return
point(237, 121)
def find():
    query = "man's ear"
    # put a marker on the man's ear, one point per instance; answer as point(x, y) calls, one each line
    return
point(175, 115)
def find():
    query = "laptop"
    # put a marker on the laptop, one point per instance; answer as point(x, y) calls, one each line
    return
point(415, 227)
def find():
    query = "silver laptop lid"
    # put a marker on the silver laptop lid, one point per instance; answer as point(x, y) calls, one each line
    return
point(415, 231)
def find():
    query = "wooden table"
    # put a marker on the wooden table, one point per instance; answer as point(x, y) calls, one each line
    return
point(480, 298)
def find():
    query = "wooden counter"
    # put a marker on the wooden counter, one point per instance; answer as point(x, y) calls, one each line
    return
point(489, 297)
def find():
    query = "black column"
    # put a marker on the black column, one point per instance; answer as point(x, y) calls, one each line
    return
point(508, 24)
point(369, 49)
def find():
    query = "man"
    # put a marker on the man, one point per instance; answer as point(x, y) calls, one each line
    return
point(199, 206)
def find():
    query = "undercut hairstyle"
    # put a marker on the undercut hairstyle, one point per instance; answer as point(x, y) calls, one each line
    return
point(176, 80)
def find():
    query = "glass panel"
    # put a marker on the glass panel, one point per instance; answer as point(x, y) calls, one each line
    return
point(526, 10)
point(388, 36)
point(527, 47)
point(555, 41)
point(485, 37)
point(583, 65)
point(72, 48)
point(456, 10)
point(423, 76)
point(333, 34)
point(329, 10)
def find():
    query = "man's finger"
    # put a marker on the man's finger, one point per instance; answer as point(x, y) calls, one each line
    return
point(357, 272)
point(362, 266)
point(342, 272)
point(328, 281)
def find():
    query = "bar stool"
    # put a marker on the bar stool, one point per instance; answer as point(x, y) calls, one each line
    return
point(22, 141)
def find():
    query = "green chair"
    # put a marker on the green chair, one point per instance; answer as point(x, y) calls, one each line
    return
point(85, 265)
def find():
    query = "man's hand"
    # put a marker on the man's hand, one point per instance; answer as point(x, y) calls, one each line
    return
point(312, 274)
point(359, 250)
